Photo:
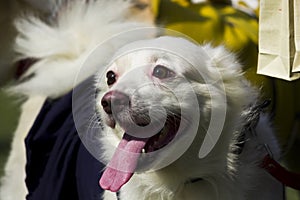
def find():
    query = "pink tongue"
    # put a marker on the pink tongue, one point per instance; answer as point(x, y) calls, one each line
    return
point(123, 163)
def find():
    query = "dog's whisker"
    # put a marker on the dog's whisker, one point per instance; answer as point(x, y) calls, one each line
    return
point(94, 122)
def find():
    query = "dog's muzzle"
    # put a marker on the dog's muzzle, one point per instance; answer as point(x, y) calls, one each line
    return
point(114, 102)
point(141, 135)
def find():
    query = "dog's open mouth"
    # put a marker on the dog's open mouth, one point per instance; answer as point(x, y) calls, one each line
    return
point(124, 161)
point(165, 136)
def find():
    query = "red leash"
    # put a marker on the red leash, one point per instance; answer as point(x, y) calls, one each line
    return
point(286, 177)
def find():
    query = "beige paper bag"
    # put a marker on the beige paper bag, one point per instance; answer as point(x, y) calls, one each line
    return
point(277, 49)
point(296, 64)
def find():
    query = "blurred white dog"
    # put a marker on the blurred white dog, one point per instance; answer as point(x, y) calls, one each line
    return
point(187, 125)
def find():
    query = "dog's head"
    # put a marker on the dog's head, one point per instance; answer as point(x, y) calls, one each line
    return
point(159, 96)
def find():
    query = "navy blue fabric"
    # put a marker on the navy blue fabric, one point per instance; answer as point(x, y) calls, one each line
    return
point(58, 165)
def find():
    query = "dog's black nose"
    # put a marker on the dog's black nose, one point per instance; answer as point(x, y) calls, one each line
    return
point(114, 100)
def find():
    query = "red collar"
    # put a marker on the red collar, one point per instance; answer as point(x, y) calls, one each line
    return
point(286, 177)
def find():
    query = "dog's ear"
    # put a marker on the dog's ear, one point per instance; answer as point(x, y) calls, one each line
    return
point(229, 91)
point(210, 64)
point(228, 72)
point(224, 61)
point(224, 66)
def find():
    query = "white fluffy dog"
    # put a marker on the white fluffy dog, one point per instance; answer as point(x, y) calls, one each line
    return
point(184, 118)
point(187, 125)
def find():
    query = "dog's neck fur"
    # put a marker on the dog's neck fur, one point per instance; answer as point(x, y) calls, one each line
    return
point(218, 173)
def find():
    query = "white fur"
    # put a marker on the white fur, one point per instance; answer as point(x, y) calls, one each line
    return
point(225, 174)
point(61, 47)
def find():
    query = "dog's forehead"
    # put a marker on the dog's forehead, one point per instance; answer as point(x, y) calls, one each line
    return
point(177, 54)
point(148, 58)
point(136, 59)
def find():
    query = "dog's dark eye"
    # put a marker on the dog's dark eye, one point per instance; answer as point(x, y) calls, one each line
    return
point(162, 72)
point(111, 77)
